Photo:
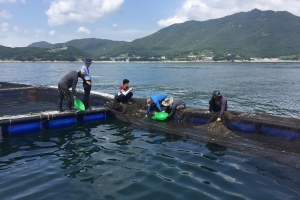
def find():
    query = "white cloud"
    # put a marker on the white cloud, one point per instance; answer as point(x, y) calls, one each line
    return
point(4, 27)
point(82, 11)
point(202, 10)
point(39, 32)
point(82, 29)
point(52, 33)
point(5, 15)
point(115, 25)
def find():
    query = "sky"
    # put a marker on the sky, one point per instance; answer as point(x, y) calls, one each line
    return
point(23, 22)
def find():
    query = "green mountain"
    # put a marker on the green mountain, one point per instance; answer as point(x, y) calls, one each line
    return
point(41, 44)
point(91, 45)
point(247, 34)
point(42, 54)
point(251, 34)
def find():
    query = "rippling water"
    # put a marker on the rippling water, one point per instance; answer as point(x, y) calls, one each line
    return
point(116, 160)
point(250, 87)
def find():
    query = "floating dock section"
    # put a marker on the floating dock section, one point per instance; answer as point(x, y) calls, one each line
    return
point(30, 108)
point(252, 123)
point(22, 109)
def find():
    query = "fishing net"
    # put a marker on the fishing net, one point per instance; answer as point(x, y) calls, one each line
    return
point(282, 150)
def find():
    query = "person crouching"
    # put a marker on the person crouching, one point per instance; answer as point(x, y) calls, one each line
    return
point(173, 104)
point(217, 105)
point(125, 93)
point(155, 100)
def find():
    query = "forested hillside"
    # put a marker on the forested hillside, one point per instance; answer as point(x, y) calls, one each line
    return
point(42, 54)
point(243, 35)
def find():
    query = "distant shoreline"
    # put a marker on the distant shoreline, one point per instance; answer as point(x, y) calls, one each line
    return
point(167, 61)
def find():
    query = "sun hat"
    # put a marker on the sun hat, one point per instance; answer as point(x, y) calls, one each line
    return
point(217, 93)
point(167, 101)
point(87, 60)
point(149, 102)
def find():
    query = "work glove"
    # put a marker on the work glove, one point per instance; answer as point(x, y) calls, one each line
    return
point(219, 119)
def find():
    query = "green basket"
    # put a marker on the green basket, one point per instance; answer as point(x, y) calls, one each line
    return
point(160, 116)
point(78, 104)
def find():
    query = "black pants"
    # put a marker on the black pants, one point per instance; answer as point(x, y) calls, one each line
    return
point(64, 93)
point(87, 91)
point(124, 99)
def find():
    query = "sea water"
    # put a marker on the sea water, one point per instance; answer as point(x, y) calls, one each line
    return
point(116, 160)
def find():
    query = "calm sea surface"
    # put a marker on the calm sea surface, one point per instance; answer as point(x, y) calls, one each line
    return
point(117, 160)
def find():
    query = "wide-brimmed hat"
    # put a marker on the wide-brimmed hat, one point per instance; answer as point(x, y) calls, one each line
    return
point(149, 102)
point(87, 60)
point(167, 101)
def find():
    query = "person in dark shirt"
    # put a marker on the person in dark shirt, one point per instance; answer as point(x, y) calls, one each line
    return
point(173, 104)
point(217, 105)
point(68, 81)
point(125, 93)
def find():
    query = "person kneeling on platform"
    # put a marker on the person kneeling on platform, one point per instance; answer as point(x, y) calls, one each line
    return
point(68, 81)
point(217, 105)
point(124, 95)
point(156, 100)
point(173, 104)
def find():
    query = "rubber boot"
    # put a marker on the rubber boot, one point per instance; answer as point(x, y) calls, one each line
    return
point(59, 106)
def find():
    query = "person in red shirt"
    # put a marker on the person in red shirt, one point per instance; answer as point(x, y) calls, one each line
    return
point(125, 93)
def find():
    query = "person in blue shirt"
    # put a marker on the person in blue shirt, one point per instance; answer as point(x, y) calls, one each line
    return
point(87, 84)
point(156, 100)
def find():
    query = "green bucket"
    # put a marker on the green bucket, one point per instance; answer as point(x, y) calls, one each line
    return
point(160, 116)
point(78, 104)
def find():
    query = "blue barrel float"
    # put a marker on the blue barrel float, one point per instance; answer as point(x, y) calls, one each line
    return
point(23, 128)
point(31, 124)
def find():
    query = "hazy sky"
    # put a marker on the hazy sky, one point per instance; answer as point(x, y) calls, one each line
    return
point(23, 22)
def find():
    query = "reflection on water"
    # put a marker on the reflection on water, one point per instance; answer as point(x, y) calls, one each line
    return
point(116, 160)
